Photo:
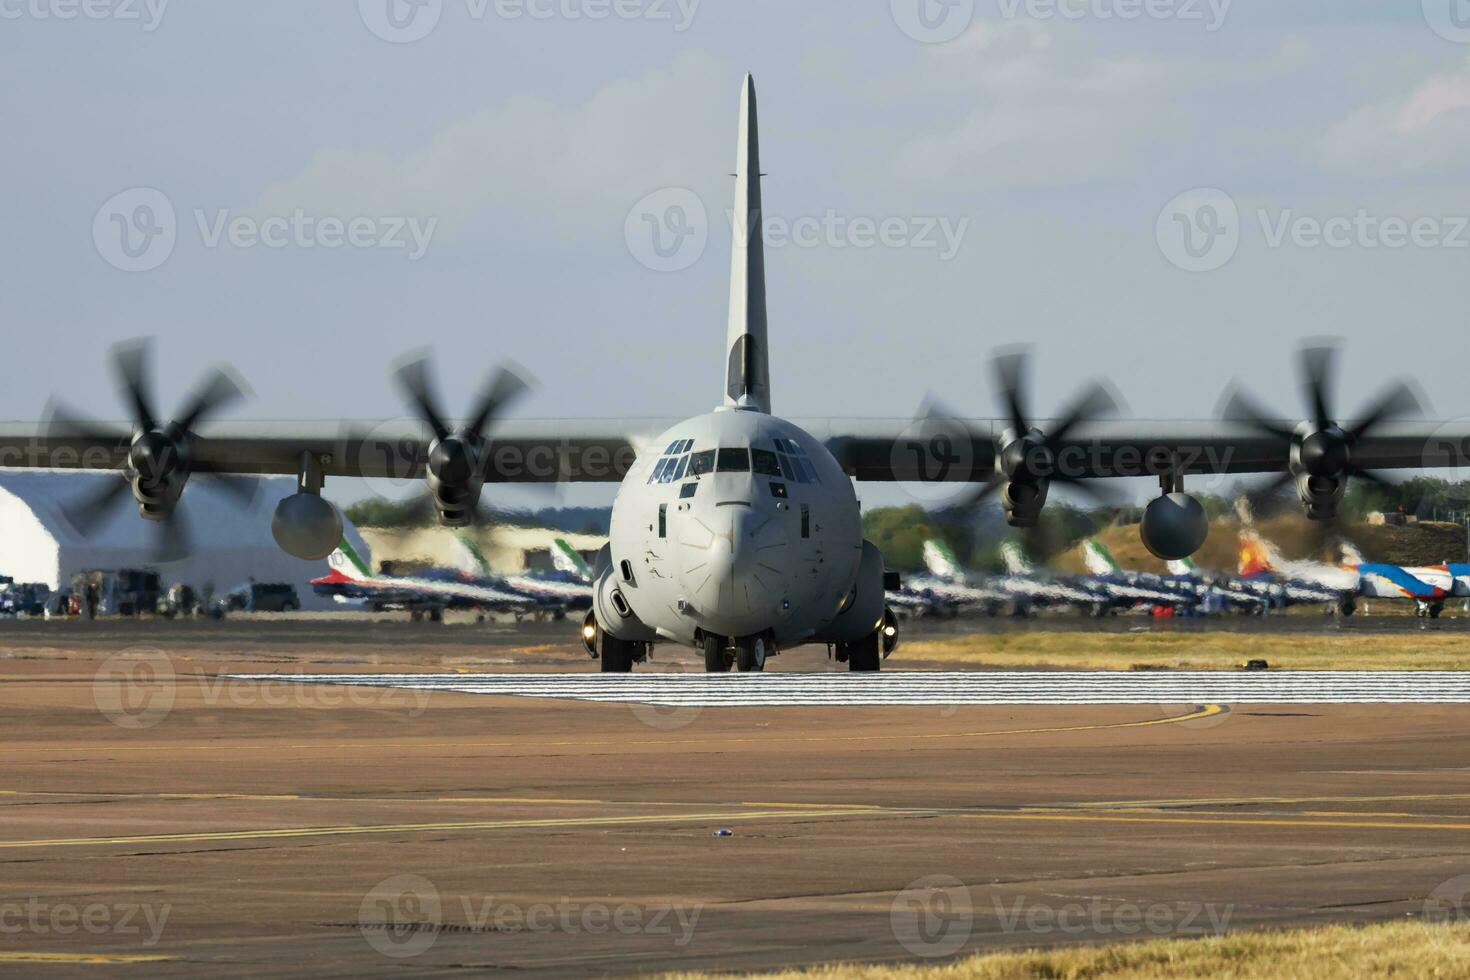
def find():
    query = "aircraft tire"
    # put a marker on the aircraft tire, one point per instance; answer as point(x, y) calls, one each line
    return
point(865, 656)
point(715, 659)
point(617, 655)
point(748, 658)
point(1435, 608)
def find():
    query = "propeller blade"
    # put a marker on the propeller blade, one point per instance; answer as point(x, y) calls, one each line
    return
point(1370, 476)
point(412, 376)
point(979, 494)
point(1262, 498)
point(1010, 370)
point(1319, 370)
point(242, 490)
point(171, 541)
point(64, 422)
point(130, 361)
point(1092, 489)
point(1095, 401)
point(1396, 400)
point(222, 387)
point(1241, 407)
point(505, 387)
point(86, 512)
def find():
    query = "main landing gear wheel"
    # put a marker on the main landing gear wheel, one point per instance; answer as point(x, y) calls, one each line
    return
point(865, 655)
point(750, 654)
point(716, 659)
point(617, 655)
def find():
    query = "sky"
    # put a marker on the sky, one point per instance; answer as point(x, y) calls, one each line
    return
point(1166, 194)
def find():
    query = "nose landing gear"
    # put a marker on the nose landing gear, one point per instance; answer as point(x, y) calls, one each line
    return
point(746, 653)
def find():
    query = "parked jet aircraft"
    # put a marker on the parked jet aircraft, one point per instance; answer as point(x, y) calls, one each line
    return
point(1427, 585)
point(570, 586)
point(735, 531)
point(1184, 580)
point(429, 593)
point(1021, 588)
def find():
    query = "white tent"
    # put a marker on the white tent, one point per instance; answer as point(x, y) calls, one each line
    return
point(229, 544)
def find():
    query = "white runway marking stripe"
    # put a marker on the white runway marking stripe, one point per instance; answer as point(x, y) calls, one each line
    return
point(951, 688)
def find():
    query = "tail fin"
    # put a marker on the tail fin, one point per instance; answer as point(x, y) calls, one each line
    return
point(1015, 559)
point(747, 375)
point(941, 561)
point(1350, 553)
point(347, 562)
point(1183, 566)
point(471, 558)
point(564, 558)
point(1098, 558)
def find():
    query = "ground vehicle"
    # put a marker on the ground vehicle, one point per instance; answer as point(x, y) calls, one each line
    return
point(123, 592)
point(23, 599)
point(259, 597)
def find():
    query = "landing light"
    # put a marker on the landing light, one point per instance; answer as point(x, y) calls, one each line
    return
point(890, 631)
point(589, 631)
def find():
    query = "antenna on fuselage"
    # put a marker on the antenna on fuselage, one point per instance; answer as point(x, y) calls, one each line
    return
point(747, 377)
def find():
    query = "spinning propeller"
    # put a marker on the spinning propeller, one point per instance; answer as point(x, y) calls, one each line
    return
point(457, 459)
point(160, 455)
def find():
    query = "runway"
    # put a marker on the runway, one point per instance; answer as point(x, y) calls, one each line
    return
point(935, 688)
point(207, 822)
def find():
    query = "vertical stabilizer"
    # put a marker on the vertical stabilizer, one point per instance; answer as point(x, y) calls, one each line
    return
point(346, 561)
point(747, 379)
point(565, 558)
point(1184, 566)
point(941, 562)
point(1016, 562)
point(1098, 558)
point(469, 557)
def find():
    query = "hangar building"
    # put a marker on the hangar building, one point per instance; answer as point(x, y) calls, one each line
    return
point(229, 545)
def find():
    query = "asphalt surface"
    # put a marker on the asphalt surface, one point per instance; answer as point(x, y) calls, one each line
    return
point(162, 815)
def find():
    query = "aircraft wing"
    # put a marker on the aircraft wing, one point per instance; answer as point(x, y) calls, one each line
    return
point(602, 450)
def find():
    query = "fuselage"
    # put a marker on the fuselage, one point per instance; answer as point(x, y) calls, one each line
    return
point(735, 523)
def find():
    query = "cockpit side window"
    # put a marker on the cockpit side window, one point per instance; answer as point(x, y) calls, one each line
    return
point(702, 462)
point(733, 461)
point(763, 461)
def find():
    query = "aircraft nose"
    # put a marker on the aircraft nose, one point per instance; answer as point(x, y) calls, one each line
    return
point(733, 587)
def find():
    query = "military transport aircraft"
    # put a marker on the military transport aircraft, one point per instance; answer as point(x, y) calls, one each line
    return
point(735, 531)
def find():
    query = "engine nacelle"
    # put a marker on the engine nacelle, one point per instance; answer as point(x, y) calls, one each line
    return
point(1173, 526)
point(306, 526)
point(1023, 502)
point(1321, 495)
point(611, 609)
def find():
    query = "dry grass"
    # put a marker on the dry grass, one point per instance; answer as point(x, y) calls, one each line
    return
point(1420, 950)
point(1217, 650)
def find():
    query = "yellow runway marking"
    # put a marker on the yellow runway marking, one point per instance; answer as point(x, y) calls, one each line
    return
point(1205, 711)
point(82, 958)
point(1206, 820)
point(1237, 800)
point(417, 828)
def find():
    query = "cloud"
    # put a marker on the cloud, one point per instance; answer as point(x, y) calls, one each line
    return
point(563, 164)
point(1424, 133)
point(1038, 109)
